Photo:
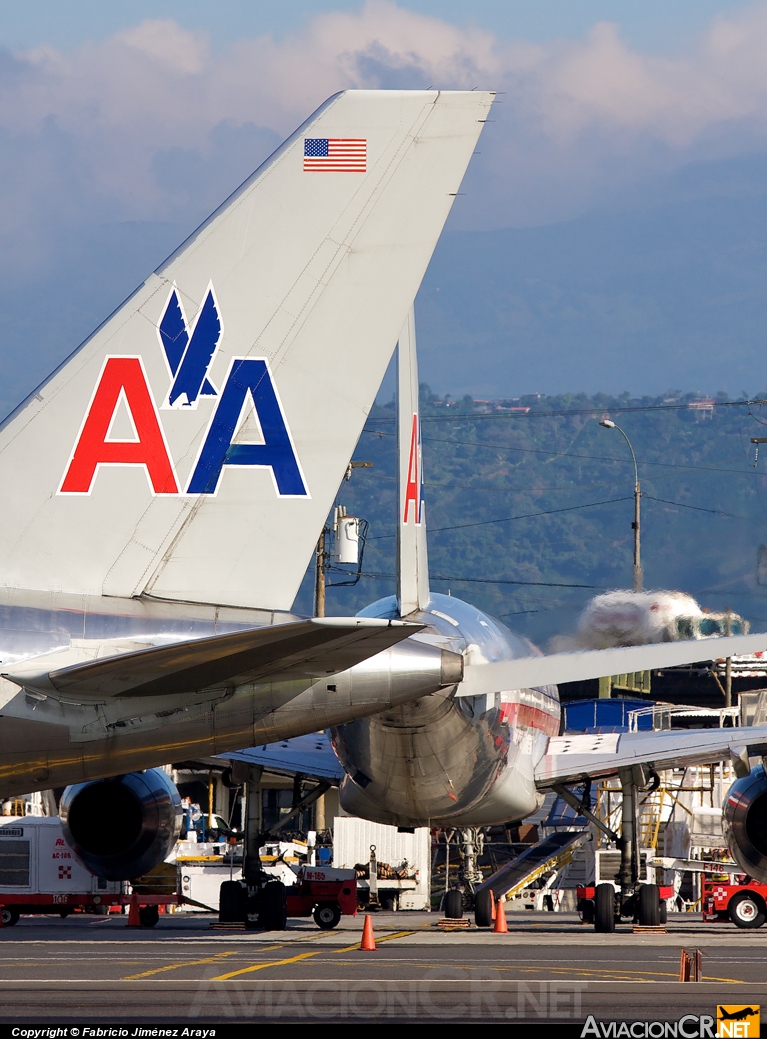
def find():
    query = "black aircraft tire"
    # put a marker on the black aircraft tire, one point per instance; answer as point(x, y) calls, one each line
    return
point(149, 916)
point(483, 908)
point(648, 898)
point(663, 911)
point(327, 915)
point(746, 910)
point(587, 911)
point(604, 909)
point(453, 904)
point(231, 902)
point(273, 906)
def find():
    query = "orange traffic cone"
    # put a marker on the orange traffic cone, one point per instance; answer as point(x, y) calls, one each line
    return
point(134, 920)
point(500, 917)
point(368, 943)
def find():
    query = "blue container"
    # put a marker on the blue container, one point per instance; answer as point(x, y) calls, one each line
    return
point(604, 715)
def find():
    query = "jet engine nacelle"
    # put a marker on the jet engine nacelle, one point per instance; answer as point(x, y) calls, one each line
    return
point(121, 828)
point(745, 823)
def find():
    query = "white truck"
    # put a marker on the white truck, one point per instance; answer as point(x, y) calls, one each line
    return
point(39, 873)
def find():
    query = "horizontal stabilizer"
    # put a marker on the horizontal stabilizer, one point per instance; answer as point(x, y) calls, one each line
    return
point(599, 755)
point(298, 648)
point(531, 672)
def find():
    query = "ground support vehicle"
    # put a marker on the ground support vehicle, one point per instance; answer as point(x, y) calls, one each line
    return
point(745, 904)
point(325, 893)
point(143, 910)
point(39, 875)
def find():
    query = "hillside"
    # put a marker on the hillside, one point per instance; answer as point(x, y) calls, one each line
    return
point(530, 514)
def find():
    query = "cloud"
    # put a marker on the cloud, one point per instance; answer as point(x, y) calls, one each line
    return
point(97, 130)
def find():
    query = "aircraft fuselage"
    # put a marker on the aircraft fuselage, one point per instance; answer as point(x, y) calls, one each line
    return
point(444, 760)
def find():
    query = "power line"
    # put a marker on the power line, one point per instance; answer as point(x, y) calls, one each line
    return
point(493, 580)
point(508, 519)
point(698, 508)
point(570, 454)
point(617, 409)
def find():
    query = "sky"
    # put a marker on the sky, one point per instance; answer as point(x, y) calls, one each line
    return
point(123, 125)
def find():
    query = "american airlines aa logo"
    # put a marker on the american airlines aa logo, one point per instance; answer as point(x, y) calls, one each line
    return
point(190, 354)
point(414, 482)
point(122, 393)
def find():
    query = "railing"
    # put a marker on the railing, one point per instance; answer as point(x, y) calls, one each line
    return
point(662, 714)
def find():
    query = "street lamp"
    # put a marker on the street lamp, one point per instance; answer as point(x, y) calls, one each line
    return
point(609, 424)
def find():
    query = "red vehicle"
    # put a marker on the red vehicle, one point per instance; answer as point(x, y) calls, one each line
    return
point(324, 893)
point(745, 904)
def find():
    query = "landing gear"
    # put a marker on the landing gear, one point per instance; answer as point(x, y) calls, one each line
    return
point(273, 906)
point(453, 904)
point(626, 897)
point(148, 916)
point(484, 908)
point(648, 905)
point(231, 904)
point(471, 844)
point(604, 909)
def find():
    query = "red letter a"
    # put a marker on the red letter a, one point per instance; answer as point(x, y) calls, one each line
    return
point(126, 375)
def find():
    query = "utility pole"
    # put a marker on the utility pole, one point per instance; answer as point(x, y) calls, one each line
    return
point(635, 525)
point(728, 662)
point(321, 558)
point(638, 576)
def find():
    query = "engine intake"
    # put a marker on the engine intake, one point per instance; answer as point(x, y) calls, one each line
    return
point(121, 828)
point(745, 823)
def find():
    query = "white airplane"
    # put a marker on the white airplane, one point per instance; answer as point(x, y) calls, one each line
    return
point(487, 751)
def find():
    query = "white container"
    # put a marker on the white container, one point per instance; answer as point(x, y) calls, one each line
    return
point(351, 845)
point(347, 540)
point(35, 859)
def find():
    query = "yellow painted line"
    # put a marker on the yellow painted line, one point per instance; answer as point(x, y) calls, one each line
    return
point(263, 966)
point(304, 956)
point(385, 938)
point(219, 955)
point(177, 966)
point(611, 973)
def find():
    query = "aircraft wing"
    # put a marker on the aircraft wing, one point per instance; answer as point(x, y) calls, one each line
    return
point(311, 755)
point(598, 755)
point(323, 645)
point(530, 672)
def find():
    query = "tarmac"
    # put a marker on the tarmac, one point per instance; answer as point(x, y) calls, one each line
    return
point(90, 971)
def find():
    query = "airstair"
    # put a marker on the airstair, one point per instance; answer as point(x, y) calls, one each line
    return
point(550, 855)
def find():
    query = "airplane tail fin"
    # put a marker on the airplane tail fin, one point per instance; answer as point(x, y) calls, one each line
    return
point(412, 556)
point(191, 448)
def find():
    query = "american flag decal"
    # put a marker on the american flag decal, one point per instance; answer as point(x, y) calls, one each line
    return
point(335, 154)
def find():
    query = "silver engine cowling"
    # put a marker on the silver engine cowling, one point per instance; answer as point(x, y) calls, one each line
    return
point(121, 828)
point(745, 823)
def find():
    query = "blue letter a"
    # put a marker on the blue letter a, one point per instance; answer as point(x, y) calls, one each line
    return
point(248, 376)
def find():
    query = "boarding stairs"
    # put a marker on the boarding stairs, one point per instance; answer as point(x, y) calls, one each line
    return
point(553, 853)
